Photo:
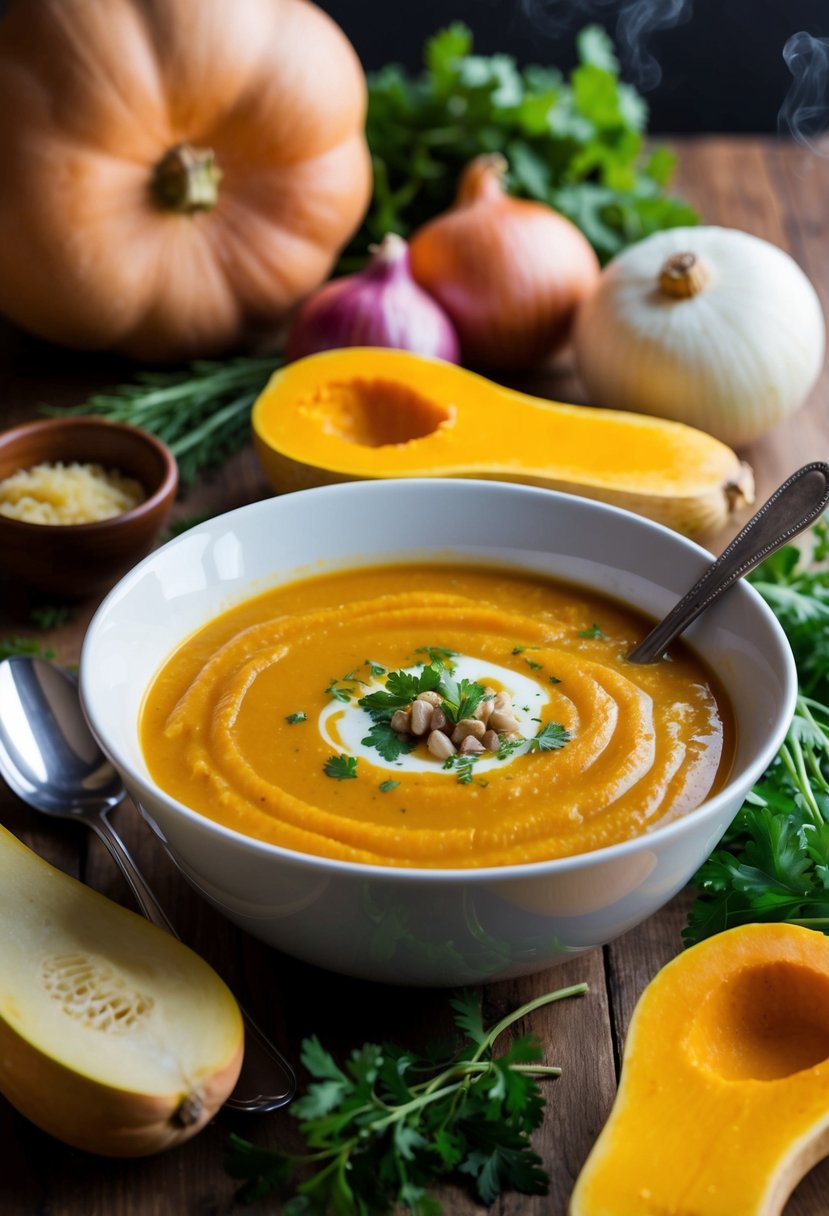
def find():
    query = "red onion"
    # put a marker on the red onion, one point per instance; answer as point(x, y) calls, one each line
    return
point(380, 306)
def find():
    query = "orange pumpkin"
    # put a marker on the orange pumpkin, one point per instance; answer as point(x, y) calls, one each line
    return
point(176, 174)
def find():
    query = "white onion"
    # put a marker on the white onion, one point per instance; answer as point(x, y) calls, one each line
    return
point(729, 338)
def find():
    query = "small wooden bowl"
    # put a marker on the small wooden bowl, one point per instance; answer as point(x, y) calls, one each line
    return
point(85, 559)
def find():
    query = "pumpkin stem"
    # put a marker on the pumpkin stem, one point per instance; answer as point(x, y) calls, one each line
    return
point(682, 276)
point(186, 180)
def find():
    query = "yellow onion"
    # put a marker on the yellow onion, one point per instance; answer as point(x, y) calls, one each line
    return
point(509, 272)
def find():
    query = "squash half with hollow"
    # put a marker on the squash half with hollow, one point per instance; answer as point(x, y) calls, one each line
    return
point(723, 1103)
point(114, 1036)
point(363, 412)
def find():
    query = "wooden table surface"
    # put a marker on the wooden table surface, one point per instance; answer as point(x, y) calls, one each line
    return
point(773, 190)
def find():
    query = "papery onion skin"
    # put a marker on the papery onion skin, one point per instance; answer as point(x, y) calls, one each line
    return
point(509, 272)
point(734, 357)
point(379, 306)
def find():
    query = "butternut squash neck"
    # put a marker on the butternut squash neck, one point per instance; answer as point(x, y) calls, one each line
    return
point(367, 412)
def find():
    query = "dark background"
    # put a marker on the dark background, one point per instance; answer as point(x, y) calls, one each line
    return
point(721, 62)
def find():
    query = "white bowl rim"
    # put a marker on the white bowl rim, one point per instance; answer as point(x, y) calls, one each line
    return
point(710, 809)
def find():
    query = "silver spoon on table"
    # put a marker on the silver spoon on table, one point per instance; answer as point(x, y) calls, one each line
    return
point(793, 506)
point(51, 760)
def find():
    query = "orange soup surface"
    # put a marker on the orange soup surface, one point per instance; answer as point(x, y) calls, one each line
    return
point(434, 716)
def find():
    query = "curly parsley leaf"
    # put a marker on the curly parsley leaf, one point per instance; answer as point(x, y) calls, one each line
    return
point(390, 1123)
point(295, 719)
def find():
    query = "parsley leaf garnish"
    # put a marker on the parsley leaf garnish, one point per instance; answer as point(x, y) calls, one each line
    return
point(340, 690)
point(388, 743)
point(463, 765)
point(386, 787)
point(461, 697)
point(341, 768)
point(508, 746)
point(439, 655)
point(401, 689)
point(593, 632)
point(549, 739)
point(389, 1123)
point(293, 719)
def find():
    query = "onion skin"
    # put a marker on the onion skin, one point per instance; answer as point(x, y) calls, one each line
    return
point(510, 272)
point(708, 326)
point(380, 306)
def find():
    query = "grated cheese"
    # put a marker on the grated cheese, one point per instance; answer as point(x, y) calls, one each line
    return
point(67, 494)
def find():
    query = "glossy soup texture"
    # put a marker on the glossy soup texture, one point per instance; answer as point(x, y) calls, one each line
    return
point(256, 721)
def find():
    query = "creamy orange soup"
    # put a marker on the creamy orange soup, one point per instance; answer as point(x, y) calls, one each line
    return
point(276, 719)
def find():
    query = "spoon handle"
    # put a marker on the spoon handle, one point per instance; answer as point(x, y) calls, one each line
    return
point(798, 502)
point(266, 1077)
point(135, 880)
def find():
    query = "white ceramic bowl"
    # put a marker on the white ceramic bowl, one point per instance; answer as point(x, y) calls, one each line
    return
point(416, 926)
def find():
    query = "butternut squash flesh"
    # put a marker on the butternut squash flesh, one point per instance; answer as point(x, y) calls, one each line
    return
point(114, 1036)
point(723, 1104)
point(362, 413)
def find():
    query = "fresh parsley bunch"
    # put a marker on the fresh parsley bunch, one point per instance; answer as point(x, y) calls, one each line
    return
point(577, 143)
point(391, 1123)
point(773, 863)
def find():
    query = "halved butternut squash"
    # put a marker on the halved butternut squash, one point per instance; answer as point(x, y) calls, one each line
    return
point(114, 1036)
point(723, 1103)
point(363, 412)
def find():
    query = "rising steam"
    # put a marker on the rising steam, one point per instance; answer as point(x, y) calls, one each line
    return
point(805, 108)
point(635, 22)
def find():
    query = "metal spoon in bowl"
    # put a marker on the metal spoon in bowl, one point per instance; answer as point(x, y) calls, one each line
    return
point(798, 502)
point(51, 760)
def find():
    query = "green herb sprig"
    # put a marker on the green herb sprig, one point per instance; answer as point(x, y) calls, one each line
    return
point(577, 144)
point(341, 768)
point(11, 647)
point(401, 688)
point(201, 412)
point(389, 1124)
point(773, 863)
